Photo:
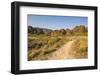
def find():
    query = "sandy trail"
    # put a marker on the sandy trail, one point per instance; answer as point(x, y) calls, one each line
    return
point(64, 52)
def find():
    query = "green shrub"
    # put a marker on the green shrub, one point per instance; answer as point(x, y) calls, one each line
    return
point(53, 40)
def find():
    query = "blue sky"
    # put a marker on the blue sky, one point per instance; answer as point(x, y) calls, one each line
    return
point(56, 22)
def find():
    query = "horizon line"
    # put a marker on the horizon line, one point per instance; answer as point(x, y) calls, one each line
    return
point(59, 28)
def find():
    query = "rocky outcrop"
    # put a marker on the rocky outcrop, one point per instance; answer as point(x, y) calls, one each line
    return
point(36, 30)
point(78, 29)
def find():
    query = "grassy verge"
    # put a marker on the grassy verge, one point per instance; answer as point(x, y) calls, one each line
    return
point(41, 47)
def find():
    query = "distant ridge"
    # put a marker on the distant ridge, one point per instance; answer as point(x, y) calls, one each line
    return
point(37, 30)
point(77, 29)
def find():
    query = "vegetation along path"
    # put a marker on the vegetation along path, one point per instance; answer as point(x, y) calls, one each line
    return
point(67, 51)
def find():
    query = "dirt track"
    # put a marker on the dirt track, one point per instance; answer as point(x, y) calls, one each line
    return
point(64, 52)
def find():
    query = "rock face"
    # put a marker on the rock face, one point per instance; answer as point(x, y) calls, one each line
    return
point(78, 29)
point(69, 32)
point(37, 30)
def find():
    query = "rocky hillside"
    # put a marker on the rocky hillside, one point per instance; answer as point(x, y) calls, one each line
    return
point(37, 30)
point(81, 29)
point(76, 30)
point(47, 44)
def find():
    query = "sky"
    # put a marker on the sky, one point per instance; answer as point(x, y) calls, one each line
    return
point(56, 22)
